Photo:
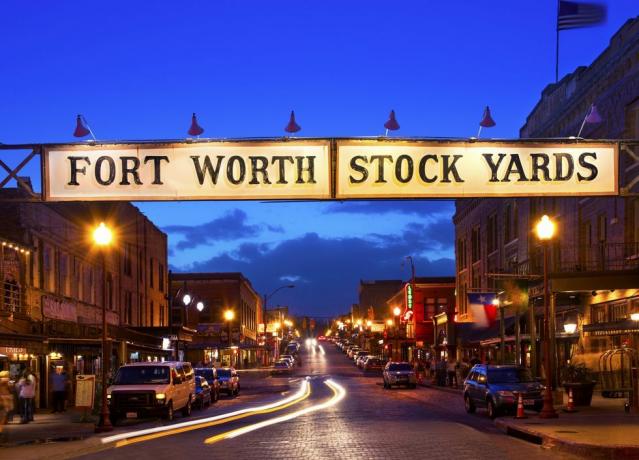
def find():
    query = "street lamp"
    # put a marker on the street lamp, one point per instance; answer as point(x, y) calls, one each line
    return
point(199, 306)
point(102, 238)
point(228, 317)
point(545, 230)
point(397, 311)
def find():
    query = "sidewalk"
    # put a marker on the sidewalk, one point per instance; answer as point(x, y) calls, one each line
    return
point(47, 427)
point(603, 430)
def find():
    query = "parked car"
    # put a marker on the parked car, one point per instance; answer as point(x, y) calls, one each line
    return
point(373, 364)
point(229, 380)
point(360, 354)
point(144, 389)
point(351, 351)
point(495, 388)
point(210, 374)
point(282, 367)
point(291, 358)
point(399, 373)
point(202, 392)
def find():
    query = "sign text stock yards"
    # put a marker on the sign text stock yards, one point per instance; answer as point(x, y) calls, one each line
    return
point(357, 169)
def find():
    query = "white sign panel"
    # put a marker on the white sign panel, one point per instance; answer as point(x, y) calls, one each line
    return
point(391, 169)
point(197, 171)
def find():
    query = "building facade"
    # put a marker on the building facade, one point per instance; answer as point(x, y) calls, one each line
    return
point(425, 325)
point(218, 340)
point(373, 295)
point(594, 257)
point(55, 283)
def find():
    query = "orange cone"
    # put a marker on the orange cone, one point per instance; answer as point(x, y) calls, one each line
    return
point(571, 404)
point(520, 406)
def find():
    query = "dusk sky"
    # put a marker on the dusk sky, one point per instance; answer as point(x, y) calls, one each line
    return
point(137, 70)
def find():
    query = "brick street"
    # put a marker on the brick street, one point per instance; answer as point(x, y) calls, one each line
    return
point(369, 423)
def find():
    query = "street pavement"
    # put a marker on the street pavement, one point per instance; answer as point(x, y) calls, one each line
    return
point(369, 422)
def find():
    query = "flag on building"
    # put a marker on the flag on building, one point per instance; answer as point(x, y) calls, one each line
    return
point(573, 15)
point(482, 308)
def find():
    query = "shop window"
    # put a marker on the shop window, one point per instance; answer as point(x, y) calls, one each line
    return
point(598, 314)
point(618, 311)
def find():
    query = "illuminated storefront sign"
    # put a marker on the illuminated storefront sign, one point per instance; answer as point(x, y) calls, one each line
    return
point(328, 169)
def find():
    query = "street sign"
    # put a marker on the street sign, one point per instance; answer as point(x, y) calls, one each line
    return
point(285, 169)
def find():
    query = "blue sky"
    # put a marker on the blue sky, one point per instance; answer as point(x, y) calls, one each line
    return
point(137, 70)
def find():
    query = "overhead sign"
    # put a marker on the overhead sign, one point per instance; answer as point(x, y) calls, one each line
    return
point(372, 169)
point(328, 169)
point(196, 171)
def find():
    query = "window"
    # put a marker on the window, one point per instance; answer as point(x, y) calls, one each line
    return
point(491, 237)
point(161, 277)
point(601, 228)
point(618, 311)
point(461, 254)
point(151, 272)
point(151, 311)
point(507, 224)
point(127, 260)
point(429, 309)
point(515, 224)
point(476, 244)
point(598, 314)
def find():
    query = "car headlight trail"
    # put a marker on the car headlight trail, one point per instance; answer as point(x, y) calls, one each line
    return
point(338, 394)
point(131, 437)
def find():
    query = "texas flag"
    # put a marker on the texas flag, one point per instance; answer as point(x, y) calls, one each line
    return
point(482, 308)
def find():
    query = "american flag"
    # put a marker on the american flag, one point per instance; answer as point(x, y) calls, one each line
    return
point(573, 15)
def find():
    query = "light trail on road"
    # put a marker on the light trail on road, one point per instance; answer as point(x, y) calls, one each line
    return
point(133, 437)
point(338, 394)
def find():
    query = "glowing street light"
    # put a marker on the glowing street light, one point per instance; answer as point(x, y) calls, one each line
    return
point(199, 306)
point(397, 311)
point(229, 315)
point(369, 323)
point(634, 316)
point(545, 228)
point(389, 322)
point(186, 300)
point(570, 328)
point(102, 235)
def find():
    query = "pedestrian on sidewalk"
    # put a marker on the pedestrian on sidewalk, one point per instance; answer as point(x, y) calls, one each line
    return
point(59, 387)
point(6, 399)
point(26, 393)
point(451, 368)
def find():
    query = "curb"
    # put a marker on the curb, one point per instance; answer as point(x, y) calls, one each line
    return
point(455, 391)
point(574, 447)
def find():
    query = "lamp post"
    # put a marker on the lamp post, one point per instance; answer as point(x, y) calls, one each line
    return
point(102, 238)
point(545, 230)
point(228, 317)
point(268, 296)
point(186, 301)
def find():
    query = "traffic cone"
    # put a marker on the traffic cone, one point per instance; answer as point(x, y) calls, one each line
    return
point(520, 406)
point(571, 404)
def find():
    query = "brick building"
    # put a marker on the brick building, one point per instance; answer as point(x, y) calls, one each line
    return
point(218, 293)
point(595, 255)
point(373, 295)
point(426, 321)
point(55, 282)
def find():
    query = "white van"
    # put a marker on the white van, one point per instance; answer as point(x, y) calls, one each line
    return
point(147, 389)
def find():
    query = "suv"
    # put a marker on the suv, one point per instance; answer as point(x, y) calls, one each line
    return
point(142, 389)
point(210, 374)
point(399, 373)
point(229, 380)
point(497, 388)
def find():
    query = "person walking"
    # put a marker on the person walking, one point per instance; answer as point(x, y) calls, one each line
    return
point(451, 369)
point(26, 393)
point(59, 387)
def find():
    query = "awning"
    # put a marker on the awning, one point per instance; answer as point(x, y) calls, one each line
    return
point(612, 328)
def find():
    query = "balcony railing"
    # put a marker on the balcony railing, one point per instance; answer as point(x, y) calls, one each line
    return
point(10, 298)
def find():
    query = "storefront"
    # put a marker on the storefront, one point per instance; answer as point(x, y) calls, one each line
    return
point(20, 352)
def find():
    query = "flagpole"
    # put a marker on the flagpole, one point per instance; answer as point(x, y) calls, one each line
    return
point(557, 45)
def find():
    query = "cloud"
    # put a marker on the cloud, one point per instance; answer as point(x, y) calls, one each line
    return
point(331, 268)
point(231, 226)
point(416, 207)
